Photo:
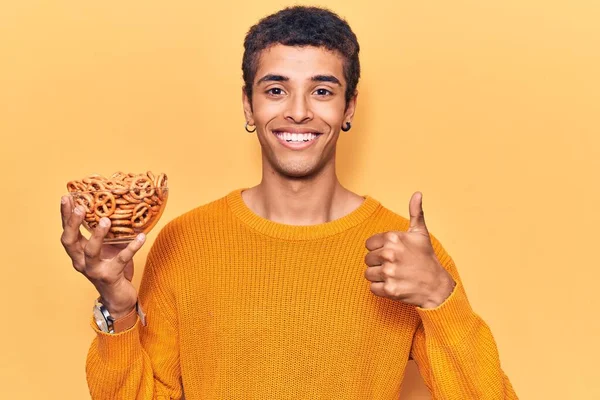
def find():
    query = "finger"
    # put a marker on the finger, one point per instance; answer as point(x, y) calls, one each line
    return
point(372, 259)
point(94, 246)
point(375, 242)
point(375, 274)
point(417, 217)
point(71, 234)
point(126, 255)
point(65, 209)
point(382, 255)
point(377, 289)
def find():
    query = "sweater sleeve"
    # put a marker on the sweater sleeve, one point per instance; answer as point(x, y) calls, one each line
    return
point(454, 348)
point(141, 363)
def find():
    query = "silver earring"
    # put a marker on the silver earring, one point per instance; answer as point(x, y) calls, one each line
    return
point(250, 130)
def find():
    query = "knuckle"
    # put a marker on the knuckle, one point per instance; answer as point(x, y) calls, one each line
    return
point(388, 254)
point(391, 237)
point(390, 289)
point(78, 267)
point(88, 252)
point(121, 259)
point(388, 271)
point(64, 240)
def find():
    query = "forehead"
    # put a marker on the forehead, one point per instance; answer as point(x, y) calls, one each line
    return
point(300, 62)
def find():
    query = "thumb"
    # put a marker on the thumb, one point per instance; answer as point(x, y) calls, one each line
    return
point(417, 218)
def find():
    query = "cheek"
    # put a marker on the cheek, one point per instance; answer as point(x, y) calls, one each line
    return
point(332, 113)
point(265, 110)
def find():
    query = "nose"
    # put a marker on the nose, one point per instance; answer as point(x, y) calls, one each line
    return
point(298, 109)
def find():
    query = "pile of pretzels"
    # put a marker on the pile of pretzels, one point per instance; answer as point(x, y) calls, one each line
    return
point(132, 202)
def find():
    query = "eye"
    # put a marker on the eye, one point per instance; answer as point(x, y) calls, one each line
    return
point(323, 92)
point(275, 91)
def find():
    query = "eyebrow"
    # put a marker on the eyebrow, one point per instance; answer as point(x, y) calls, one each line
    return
point(326, 78)
point(316, 78)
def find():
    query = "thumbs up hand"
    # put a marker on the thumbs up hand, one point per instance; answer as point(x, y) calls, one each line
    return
point(403, 265)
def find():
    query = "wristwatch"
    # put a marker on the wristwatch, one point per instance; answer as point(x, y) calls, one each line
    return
point(107, 323)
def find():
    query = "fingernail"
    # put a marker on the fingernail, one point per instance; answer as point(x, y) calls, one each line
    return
point(63, 200)
point(103, 222)
point(141, 237)
point(79, 210)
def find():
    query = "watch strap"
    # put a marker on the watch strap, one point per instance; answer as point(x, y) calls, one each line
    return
point(126, 321)
point(108, 324)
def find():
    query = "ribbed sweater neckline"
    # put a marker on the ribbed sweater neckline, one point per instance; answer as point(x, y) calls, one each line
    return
point(299, 232)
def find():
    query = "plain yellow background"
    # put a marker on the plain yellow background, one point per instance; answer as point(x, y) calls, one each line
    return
point(490, 108)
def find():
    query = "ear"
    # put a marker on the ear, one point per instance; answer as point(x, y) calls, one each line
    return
point(350, 108)
point(247, 107)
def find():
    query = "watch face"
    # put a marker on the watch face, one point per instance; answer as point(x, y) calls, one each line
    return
point(100, 320)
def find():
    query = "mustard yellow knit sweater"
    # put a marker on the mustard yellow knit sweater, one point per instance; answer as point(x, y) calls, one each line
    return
point(240, 307)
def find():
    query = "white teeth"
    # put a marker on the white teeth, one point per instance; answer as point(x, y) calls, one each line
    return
point(296, 137)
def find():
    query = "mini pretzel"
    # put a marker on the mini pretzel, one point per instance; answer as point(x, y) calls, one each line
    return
point(86, 200)
point(131, 199)
point(118, 175)
point(141, 215)
point(117, 215)
point(141, 187)
point(161, 183)
point(104, 204)
point(76, 186)
point(156, 199)
point(121, 229)
point(124, 210)
point(94, 184)
point(117, 187)
point(121, 222)
point(91, 218)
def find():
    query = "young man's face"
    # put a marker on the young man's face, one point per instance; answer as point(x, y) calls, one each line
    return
point(298, 107)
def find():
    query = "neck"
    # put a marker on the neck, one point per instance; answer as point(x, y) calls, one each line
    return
point(308, 201)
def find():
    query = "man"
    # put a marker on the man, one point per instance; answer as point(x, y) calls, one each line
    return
point(294, 288)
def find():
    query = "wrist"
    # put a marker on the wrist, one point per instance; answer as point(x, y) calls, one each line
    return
point(118, 311)
point(116, 308)
point(441, 293)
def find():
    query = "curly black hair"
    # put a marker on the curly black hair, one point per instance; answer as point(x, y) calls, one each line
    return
point(302, 26)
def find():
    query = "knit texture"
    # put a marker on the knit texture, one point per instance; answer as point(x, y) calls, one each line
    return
point(241, 307)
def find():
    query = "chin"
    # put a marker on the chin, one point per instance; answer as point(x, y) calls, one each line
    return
point(297, 169)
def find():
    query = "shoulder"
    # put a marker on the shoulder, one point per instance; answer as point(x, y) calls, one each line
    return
point(215, 210)
point(387, 220)
point(190, 228)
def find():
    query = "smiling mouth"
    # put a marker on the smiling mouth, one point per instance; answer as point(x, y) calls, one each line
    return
point(291, 137)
